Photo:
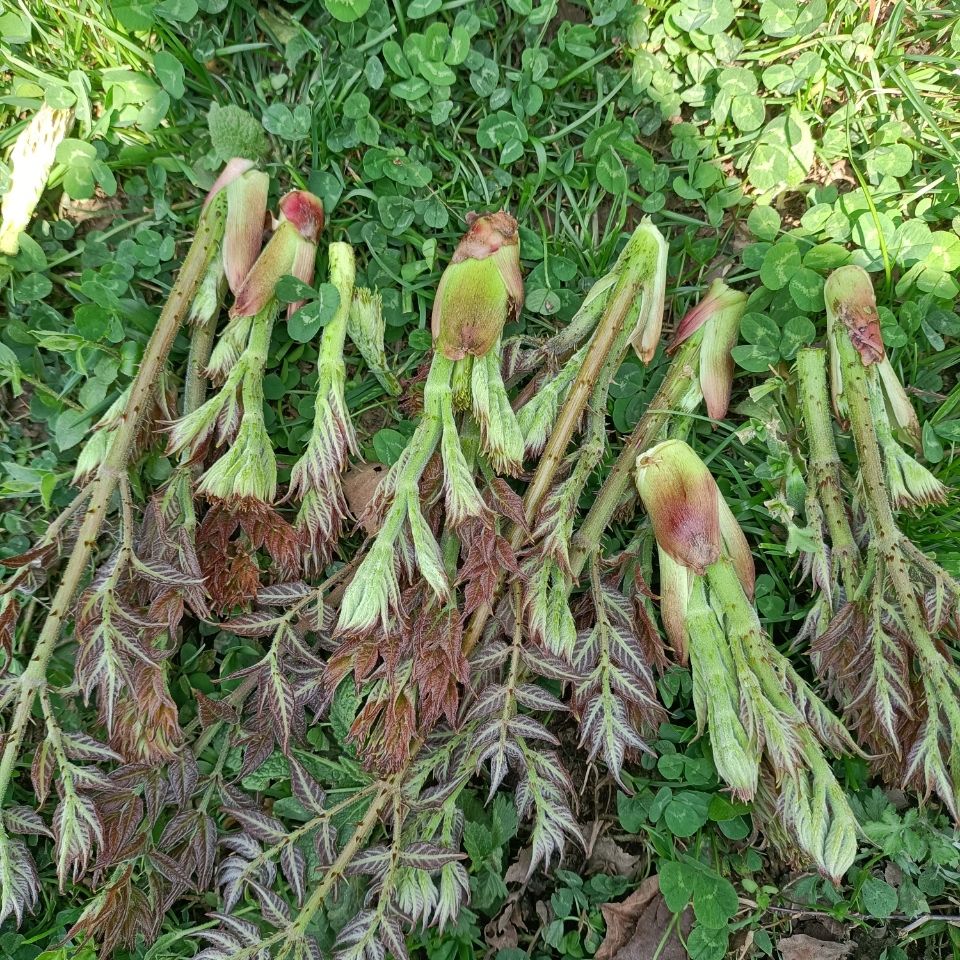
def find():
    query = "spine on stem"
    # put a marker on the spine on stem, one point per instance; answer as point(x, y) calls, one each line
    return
point(919, 723)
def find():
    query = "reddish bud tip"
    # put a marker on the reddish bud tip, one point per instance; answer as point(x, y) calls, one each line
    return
point(305, 212)
point(850, 300)
point(486, 234)
point(682, 500)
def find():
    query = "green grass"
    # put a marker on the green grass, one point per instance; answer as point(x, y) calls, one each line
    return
point(768, 150)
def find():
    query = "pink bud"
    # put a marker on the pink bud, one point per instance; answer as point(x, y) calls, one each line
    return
point(717, 315)
point(243, 234)
point(305, 212)
point(292, 250)
point(851, 301)
point(681, 498)
point(233, 169)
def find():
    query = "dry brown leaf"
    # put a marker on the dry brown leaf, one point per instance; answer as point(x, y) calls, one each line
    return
point(360, 483)
point(501, 933)
point(647, 942)
point(635, 927)
point(621, 918)
point(98, 212)
point(607, 856)
point(518, 870)
point(802, 947)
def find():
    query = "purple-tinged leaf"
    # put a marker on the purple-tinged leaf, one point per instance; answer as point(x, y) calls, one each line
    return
point(530, 729)
point(391, 936)
point(536, 698)
point(428, 856)
point(307, 791)
point(20, 884)
point(79, 746)
point(257, 823)
point(261, 623)
point(294, 869)
point(281, 594)
point(24, 820)
point(325, 843)
point(274, 908)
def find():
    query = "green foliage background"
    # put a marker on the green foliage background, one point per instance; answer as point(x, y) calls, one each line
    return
point(770, 141)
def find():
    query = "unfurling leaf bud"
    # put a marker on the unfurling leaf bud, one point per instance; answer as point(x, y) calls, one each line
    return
point(643, 263)
point(815, 808)
point(243, 234)
point(239, 196)
point(735, 546)
point(248, 470)
point(716, 694)
point(365, 326)
point(681, 498)
point(716, 321)
point(291, 250)
point(911, 483)
point(232, 170)
point(31, 160)
point(898, 403)
point(676, 581)
point(852, 310)
point(850, 301)
point(481, 289)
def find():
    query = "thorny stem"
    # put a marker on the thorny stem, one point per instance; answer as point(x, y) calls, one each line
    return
point(824, 461)
point(605, 341)
point(333, 874)
point(54, 529)
point(201, 344)
point(563, 343)
point(886, 535)
point(102, 488)
point(665, 403)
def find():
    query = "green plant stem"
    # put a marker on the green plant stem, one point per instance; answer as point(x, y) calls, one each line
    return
point(669, 398)
point(824, 460)
point(424, 441)
point(605, 341)
point(332, 874)
point(886, 536)
point(102, 488)
point(342, 276)
point(743, 628)
point(201, 345)
point(564, 342)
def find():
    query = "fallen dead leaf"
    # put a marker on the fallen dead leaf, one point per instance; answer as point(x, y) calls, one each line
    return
point(802, 947)
point(518, 870)
point(607, 856)
point(98, 212)
point(501, 933)
point(360, 483)
point(621, 918)
point(636, 926)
